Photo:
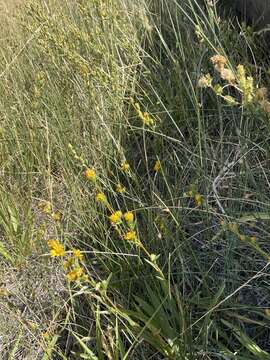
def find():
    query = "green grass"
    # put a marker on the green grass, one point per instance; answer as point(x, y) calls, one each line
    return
point(97, 84)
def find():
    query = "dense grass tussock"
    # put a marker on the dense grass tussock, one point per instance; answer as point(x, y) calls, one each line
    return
point(134, 195)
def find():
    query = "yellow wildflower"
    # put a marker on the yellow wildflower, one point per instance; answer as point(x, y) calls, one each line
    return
point(242, 237)
point(46, 335)
point(144, 116)
point(45, 206)
point(129, 217)
point(130, 236)
point(125, 166)
point(267, 312)
point(57, 216)
point(56, 248)
point(75, 274)
point(157, 166)
point(219, 62)
point(253, 238)
point(101, 197)
point(77, 254)
point(198, 199)
point(115, 218)
point(120, 188)
point(90, 174)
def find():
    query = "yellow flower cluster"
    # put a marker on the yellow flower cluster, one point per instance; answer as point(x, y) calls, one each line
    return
point(144, 116)
point(239, 81)
point(116, 217)
point(120, 188)
point(246, 85)
point(196, 196)
point(125, 167)
point(90, 174)
point(72, 265)
point(130, 235)
point(234, 228)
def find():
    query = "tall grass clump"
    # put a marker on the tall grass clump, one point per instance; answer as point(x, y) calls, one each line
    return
point(135, 192)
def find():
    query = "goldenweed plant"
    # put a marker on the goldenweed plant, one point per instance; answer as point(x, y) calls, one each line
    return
point(134, 201)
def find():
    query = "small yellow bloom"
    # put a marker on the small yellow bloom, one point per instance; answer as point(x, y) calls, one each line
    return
point(77, 254)
point(125, 166)
point(130, 236)
point(157, 166)
point(45, 206)
point(198, 199)
point(253, 238)
point(242, 237)
point(75, 274)
point(144, 116)
point(129, 217)
point(57, 216)
point(101, 197)
point(46, 335)
point(120, 188)
point(56, 248)
point(115, 218)
point(267, 312)
point(90, 174)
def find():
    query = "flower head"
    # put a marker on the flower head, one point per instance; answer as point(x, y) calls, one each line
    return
point(45, 207)
point(129, 217)
point(56, 248)
point(144, 116)
point(120, 188)
point(198, 199)
point(90, 174)
point(75, 274)
point(77, 254)
point(125, 166)
point(57, 216)
point(157, 166)
point(101, 197)
point(131, 236)
point(115, 218)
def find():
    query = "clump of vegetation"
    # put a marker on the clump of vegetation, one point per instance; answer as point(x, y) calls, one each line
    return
point(134, 212)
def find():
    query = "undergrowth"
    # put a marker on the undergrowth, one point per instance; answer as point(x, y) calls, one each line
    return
point(134, 212)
